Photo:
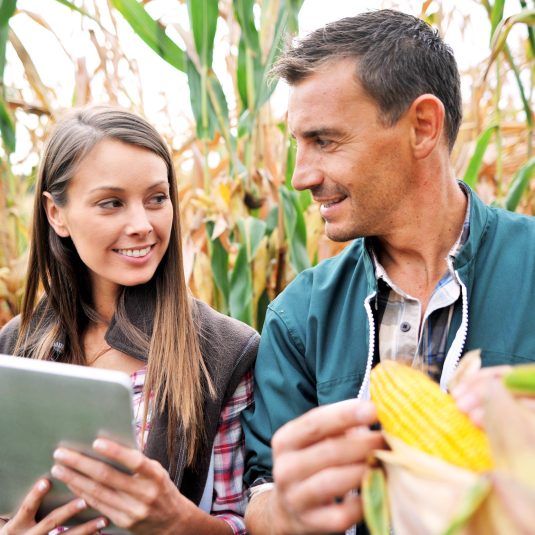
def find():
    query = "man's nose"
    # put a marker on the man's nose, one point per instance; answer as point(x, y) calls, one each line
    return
point(307, 174)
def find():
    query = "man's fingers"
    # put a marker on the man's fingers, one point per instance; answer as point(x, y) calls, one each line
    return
point(343, 450)
point(338, 516)
point(323, 422)
point(324, 488)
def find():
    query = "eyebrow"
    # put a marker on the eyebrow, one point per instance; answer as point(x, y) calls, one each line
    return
point(319, 132)
point(117, 189)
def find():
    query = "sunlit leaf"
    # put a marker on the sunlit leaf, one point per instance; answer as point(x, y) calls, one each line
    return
point(203, 19)
point(72, 6)
point(519, 184)
point(7, 127)
point(7, 9)
point(496, 16)
point(219, 263)
point(472, 171)
point(241, 288)
point(499, 37)
point(295, 230)
point(252, 230)
point(374, 497)
point(151, 32)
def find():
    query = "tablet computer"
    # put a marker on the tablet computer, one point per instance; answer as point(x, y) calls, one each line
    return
point(45, 404)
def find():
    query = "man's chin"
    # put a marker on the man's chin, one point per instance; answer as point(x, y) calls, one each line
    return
point(340, 235)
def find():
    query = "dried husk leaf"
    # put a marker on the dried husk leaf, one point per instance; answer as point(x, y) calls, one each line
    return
point(510, 426)
point(424, 491)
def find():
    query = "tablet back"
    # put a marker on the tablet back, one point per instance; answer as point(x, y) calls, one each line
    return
point(44, 404)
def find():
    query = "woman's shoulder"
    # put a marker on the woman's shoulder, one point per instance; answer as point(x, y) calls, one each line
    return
point(8, 335)
point(212, 323)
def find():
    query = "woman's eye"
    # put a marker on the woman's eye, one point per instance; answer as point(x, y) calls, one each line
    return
point(159, 199)
point(110, 203)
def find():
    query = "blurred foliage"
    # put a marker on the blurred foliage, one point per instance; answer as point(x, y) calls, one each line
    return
point(246, 231)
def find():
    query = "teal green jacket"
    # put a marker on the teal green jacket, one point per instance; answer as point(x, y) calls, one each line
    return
point(318, 340)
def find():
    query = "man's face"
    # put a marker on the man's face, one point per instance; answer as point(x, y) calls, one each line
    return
point(356, 168)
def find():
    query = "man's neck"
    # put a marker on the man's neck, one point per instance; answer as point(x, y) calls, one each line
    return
point(414, 255)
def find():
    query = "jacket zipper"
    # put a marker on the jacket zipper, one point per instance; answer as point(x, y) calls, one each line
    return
point(457, 346)
point(364, 388)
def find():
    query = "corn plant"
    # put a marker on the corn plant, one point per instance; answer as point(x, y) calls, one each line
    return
point(246, 231)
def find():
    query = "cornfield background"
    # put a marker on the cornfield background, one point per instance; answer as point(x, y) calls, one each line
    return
point(246, 231)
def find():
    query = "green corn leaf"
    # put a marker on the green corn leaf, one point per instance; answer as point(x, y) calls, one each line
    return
point(83, 12)
point(7, 127)
point(290, 162)
point(499, 37)
point(523, 97)
point(521, 379)
point(295, 229)
point(472, 171)
point(252, 230)
point(250, 70)
point(287, 20)
point(531, 33)
point(152, 32)
point(261, 310)
point(272, 220)
point(241, 288)
point(7, 9)
point(203, 18)
point(519, 184)
point(219, 263)
point(374, 497)
point(496, 16)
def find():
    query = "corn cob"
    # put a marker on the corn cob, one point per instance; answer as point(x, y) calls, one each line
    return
point(411, 407)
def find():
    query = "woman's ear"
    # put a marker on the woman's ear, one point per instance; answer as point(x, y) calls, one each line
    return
point(54, 215)
point(427, 117)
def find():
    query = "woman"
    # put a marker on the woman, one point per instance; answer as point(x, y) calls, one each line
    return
point(106, 249)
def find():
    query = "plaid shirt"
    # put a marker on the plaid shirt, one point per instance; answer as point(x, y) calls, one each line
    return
point(401, 334)
point(230, 496)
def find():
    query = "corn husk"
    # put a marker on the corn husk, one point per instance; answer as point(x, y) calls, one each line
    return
point(427, 496)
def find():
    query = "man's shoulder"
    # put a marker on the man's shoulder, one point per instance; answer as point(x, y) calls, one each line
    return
point(326, 275)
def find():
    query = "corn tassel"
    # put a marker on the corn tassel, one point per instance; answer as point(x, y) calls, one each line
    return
point(411, 407)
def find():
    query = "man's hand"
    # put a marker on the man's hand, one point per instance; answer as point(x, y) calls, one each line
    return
point(319, 460)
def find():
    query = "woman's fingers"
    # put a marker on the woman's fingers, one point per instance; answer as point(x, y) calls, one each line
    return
point(29, 507)
point(58, 517)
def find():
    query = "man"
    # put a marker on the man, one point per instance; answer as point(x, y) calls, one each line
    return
point(375, 108)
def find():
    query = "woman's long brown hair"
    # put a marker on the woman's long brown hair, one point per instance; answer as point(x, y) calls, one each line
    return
point(177, 377)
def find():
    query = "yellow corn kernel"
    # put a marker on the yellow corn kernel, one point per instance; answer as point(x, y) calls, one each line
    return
point(411, 407)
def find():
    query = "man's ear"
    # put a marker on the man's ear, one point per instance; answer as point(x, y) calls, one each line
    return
point(427, 118)
point(55, 216)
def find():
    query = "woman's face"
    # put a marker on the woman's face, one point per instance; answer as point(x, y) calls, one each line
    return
point(118, 214)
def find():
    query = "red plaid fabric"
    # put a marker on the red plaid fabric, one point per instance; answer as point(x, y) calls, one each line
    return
point(230, 496)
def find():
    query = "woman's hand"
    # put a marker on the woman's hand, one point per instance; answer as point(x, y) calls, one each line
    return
point(24, 522)
point(470, 393)
point(145, 502)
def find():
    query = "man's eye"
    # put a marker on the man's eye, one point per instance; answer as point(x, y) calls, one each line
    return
point(323, 142)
